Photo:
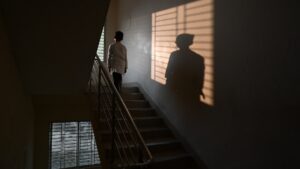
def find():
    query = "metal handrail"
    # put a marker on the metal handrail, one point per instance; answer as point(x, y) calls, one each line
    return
point(128, 147)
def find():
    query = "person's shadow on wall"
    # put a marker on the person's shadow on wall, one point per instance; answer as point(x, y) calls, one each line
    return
point(185, 73)
point(184, 87)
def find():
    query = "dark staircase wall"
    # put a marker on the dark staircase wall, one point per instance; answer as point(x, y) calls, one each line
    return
point(16, 111)
point(46, 47)
point(54, 42)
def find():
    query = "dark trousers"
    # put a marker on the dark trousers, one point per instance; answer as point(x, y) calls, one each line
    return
point(117, 80)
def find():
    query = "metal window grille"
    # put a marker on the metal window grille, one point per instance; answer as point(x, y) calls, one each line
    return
point(72, 144)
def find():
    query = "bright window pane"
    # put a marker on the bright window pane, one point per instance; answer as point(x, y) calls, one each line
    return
point(72, 144)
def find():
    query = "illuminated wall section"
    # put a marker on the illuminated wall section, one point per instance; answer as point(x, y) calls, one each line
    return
point(193, 18)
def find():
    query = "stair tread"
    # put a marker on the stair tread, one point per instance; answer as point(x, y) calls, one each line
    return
point(137, 103)
point(154, 143)
point(170, 156)
point(182, 160)
point(146, 129)
point(143, 113)
point(148, 118)
point(136, 100)
point(141, 108)
point(131, 93)
point(151, 143)
point(130, 89)
point(153, 129)
point(141, 118)
point(129, 96)
point(145, 116)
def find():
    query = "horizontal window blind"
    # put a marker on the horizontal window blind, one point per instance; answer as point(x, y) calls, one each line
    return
point(101, 47)
point(72, 144)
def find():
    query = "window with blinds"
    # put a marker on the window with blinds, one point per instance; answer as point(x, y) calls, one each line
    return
point(72, 144)
point(101, 47)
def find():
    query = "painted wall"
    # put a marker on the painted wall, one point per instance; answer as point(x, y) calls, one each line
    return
point(256, 82)
point(16, 112)
point(46, 47)
point(55, 42)
point(111, 25)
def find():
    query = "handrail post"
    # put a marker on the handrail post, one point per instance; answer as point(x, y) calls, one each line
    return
point(109, 103)
point(140, 153)
point(99, 92)
point(90, 85)
point(113, 128)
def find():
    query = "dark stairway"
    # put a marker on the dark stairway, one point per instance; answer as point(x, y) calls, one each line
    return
point(166, 149)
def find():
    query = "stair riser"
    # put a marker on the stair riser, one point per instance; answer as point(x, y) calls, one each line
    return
point(156, 149)
point(140, 113)
point(156, 134)
point(181, 163)
point(146, 135)
point(130, 90)
point(132, 96)
point(136, 113)
point(137, 104)
point(140, 123)
point(149, 123)
point(143, 114)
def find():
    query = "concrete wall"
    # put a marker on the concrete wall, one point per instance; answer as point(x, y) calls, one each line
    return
point(111, 25)
point(16, 113)
point(256, 47)
point(55, 42)
point(46, 47)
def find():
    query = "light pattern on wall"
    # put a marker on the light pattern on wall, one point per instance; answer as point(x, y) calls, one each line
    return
point(194, 18)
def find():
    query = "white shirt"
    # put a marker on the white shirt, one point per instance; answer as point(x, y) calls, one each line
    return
point(117, 57)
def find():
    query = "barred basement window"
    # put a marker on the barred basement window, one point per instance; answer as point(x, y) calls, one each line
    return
point(72, 144)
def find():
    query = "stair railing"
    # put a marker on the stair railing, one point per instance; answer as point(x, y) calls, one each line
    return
point(125, 147)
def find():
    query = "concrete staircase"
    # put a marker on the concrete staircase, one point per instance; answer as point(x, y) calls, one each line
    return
point(166, 149)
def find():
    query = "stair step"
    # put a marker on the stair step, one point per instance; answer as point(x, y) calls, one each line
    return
point(141, 122)
point(132, 96)
point(130, 89)
point(153, 133)
point(164, 152)
point(137, 104)
point(154, 146)
point(178, 161)
point(147, 133)
point(166, 149)
point(144, 122)
point(166, 159)
point(166, 146)
point(183, 161)
point(142, 112)
point(161, 140)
